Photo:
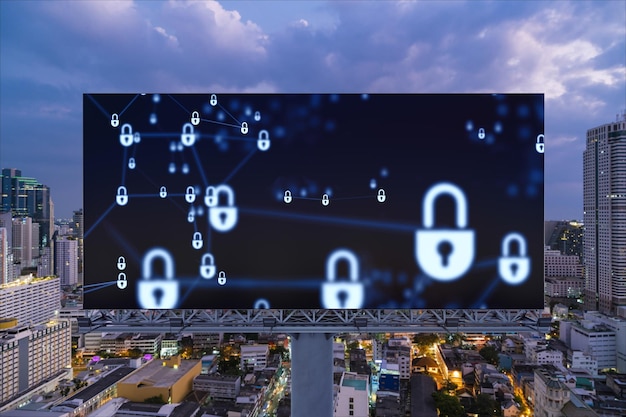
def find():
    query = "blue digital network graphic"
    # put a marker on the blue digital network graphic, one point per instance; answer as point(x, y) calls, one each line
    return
point(337, 201)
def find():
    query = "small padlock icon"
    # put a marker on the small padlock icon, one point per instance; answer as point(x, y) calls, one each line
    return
point(263, 143)
point(342, 294)
point(121, 263)
point(115, 120)
point(287, 198)
point(257, 116)
point(207, 266)
point(196, 241)
point(223, 218)
point(381, 196)
point(244, 128)
point(122, 196)
point(131, 163)
point(213, 100)
point(190, 194)
point(159, 293)
point(188, 137)
point(191, 216)
point(122, 283)
point(261, 303)
point(126, 136)
point(163, 192)
point(210, 197)
point(136, 137)
point(221, 278)
point(444, 254)
point(514, 269)
point(481, 133)
point(539, 146)
point(195, 118)
point(325, 200)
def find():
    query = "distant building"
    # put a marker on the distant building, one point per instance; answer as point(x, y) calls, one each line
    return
point(66, 251)
point(254, 357)
point(352, 398)
point(565, 236)
point(29, 356)
point(604, 204)
point(551, 394)
point(220, 387)
point(30, 300)
point(170, 379)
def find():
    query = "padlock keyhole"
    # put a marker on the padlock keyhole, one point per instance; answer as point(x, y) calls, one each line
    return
point(514, 268)
point(444, 249)
point(343, 297)
point(223, 217)
point(158, 295)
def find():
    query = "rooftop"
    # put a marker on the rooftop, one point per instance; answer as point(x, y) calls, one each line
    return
point(157, 375)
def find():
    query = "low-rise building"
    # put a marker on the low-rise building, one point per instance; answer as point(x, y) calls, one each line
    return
point(221, 387)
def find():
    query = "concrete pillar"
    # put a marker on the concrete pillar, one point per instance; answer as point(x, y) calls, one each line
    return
point(311, 375)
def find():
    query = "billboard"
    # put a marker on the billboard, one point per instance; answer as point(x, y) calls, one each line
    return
point(336, 201)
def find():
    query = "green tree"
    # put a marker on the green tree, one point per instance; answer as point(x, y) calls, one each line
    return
point(425, 340)
point(448, 405)
point(157, 399)
point(485, 406)
point(490, 354)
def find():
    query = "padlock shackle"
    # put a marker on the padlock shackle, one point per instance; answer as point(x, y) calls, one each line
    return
point(120, 189)
point(207, 255)
point(261, 303)
point(429, 203)
point(340, 254)
point(187, 126)
point(264, 135)
point(195, 114)
point(229, 192)
point(542, 138)
point(520, 241)
point(168, 263)
point(197, 236)
point(127, 126)
point(191, 190)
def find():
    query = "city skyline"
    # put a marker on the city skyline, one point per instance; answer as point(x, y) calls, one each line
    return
point(573, 52)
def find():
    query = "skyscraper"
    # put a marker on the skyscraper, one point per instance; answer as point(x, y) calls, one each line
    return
point(66, 252)
point(604, 207)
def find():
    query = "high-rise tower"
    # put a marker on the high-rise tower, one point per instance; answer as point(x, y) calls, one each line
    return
point(604, 206)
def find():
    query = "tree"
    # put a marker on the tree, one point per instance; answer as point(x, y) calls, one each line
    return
point(490, 354)
point(485, 406)
point(157, 399)
point(425, 340)
point(448, 405)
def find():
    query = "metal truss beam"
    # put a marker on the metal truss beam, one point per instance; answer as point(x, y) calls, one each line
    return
point(316, 321)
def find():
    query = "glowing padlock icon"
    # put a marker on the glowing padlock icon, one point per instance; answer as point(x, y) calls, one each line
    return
point(287, 198)
point(261, 304)
point(325, 200)
point(195, 118)
point(210, 197)
point(115, 120)
point(131, 163)
point(191, 216)
point(159, 293)
point(257, 116)
point(223, 218)
point(188, 137)
point(190, 194)
point(122, 283)
point(213, 100)
point(136, 137)
point(444, 254)
point(126, 136)
point(514, 269)
point(172, 168)
point(337, 294)
point(207, 266)
point(244, 128)
point(540, 146)
point(481, 133)
point(263, 142)
point(381, 196)
point(163, 192)
point(221, 278)
point(122, 196)
point(196, 241)
point(121, 263)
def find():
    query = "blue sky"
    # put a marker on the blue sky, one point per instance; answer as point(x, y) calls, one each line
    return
point(53, 52)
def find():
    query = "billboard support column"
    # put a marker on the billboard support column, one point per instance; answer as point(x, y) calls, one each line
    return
point(311, 374)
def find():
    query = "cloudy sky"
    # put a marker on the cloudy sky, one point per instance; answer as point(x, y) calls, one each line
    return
point(53, 52)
